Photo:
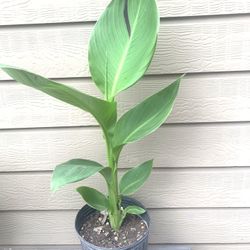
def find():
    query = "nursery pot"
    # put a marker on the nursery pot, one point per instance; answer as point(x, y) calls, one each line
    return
point(86, 211)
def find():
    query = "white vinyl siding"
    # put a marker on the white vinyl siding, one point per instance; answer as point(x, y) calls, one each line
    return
point(199, 191)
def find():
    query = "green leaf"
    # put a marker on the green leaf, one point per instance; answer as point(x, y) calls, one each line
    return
point(134, 210)
point(146, 117)
point(94, 198)
point(106, 173)
point(73, 171)
point(134, 178)
point(122, 44)
point(104, 112)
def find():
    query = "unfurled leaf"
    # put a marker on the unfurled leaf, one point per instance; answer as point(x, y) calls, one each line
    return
point(104, 112)
point(134, 210)
point(73, 171)
point(146, 117)
point(134, 178)
point(122, 44)
point(94, 198)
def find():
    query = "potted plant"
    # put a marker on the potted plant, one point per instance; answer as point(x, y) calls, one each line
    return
point(121, 48)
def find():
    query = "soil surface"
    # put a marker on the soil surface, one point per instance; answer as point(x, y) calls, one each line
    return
point(97, 230)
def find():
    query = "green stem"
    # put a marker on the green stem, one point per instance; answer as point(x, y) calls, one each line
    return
point(115, 213)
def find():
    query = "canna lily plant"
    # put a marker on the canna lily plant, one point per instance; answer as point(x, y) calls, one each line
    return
point(121, 48)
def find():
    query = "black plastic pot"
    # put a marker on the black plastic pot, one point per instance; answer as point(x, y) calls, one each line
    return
point(83, 214)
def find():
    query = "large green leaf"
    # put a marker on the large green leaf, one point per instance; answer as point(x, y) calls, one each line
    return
point(94, 198)
point(134, 178)
point(73, 171)
point(104, 112)
point(146, 117)
point(122, 44)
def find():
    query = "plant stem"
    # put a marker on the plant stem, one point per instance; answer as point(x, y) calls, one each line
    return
point(115, 213)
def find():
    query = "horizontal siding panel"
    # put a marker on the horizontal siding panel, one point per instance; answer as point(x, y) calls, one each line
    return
point(220, 247)
point(150, 247)
point(202, 98)
point(167, 189)
point(168, 226)
point(171, 146)
point(46, 11)
point(185, 46)
point(77, 247)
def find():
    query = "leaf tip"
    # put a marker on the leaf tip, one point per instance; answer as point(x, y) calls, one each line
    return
point(150, 163)
point(5, 66)
point(178, 81)
point(183, 75)
point(53, 187)
point(142, 211)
